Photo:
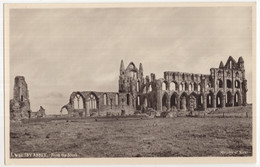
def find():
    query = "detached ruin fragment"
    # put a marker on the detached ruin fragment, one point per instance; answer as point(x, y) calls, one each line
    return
point(20, 104)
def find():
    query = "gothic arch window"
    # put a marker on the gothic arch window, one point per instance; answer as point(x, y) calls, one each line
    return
point(198, 88)
point(220, 83)
point(182, 86)
point(78, 102)
point(163, 86)
point(237, 84)
point(138, 86)
point(138, 100)
point(173, 86)
point(190, 87)
point(229, 84)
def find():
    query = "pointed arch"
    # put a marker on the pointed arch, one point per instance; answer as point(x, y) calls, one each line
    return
point(138, 102)
point(237, 99)
point(92, 101)
point(174, 100)
point(220, 83)
point(165, 100)
point(164, 85)
point(219, 99)
point(210, 99)
point(184, 101)
point(78, 101)
point(229, 83)
point(237, 84)
point(173, 86)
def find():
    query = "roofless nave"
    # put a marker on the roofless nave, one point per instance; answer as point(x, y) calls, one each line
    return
point(225, 86)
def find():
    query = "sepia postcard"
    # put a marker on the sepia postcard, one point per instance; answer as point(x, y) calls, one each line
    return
point(130, 83)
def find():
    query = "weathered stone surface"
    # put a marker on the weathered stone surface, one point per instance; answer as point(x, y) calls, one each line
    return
point(225, 86)
point(20, 104)
point(39, 114)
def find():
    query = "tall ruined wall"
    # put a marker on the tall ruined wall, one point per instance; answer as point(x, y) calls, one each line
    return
point(91, 103)
point(20, 104)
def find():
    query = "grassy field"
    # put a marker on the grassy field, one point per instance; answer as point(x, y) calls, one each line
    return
point(136, 137)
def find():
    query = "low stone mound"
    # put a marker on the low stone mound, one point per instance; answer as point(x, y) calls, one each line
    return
point(168, 114)
point(182, 113)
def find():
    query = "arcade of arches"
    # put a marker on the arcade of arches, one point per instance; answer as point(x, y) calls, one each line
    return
point(185, 101)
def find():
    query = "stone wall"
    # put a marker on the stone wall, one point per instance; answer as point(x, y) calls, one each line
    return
point(20, 104)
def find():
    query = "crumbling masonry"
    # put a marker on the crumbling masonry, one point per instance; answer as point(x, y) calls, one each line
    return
point(20, 104)
point(226, 86)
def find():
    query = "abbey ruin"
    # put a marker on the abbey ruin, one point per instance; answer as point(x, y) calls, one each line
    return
point(225, 86)
point(20, 104)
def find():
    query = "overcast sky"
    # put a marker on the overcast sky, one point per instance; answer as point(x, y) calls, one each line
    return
point(64, 50)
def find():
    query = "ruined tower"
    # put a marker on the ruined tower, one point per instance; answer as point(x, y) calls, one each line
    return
point(20, 104)
point(130, 78)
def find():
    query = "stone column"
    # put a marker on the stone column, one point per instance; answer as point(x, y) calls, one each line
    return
point(204, 102)
point(223, 101)
point(214, 101)
point(178, 103)
point(244, 98)
point(168, 103)
point(183, 103)
point(86, 110)
point(232, 100)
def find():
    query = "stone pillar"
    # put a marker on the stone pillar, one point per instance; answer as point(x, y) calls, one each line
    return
point(159, 100)
point(183, 103)
point(86, 110)
point(168, 103)
point(204, 102)
point(232, 100)
point(244, 98)
point(178, 103)
point(223, 101)
point(214, 101)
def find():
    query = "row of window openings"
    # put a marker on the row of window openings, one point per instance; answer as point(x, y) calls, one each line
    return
point(218, 99)
point(229, 84)
point(182, 87)
point(111, 100)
